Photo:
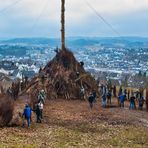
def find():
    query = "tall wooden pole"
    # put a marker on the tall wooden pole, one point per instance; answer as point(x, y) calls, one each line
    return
point(63, 24)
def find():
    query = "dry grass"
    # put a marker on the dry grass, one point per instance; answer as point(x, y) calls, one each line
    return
point(73, 124)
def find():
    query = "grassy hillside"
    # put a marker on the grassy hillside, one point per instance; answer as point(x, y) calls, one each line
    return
point(73, 124)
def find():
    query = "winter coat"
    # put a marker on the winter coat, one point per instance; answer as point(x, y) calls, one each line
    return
point(122, 98)
point(38, 111)
point(27, 112)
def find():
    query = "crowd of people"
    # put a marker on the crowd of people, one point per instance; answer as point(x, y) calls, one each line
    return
point(123, 95)
point(106, 94)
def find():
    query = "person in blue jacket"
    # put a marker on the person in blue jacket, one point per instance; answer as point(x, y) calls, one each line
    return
point(27, 114)
point(122, 99)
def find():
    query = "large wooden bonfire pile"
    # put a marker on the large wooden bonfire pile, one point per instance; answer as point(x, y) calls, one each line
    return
point(62, 78)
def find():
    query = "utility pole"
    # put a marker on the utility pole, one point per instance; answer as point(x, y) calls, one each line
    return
point(63, 24)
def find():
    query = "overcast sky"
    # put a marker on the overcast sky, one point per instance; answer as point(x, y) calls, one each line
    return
point(41, 18)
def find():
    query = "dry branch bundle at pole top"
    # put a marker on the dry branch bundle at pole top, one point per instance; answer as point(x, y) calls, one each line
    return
point(63, 78)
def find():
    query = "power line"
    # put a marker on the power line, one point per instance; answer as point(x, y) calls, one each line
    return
point(88, 4)
point(105, 21)
point(102, 18)
point(40, 14)
point(10, 6)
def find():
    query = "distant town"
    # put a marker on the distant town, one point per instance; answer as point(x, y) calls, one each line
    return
point(104, 58)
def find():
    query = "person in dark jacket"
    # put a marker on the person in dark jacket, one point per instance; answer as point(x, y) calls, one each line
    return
point(120, 91)
point(91, 100)
point(94, 95)
point(114, 91)
point(27, 114)
point(125, 93)
point(132, 102)
point(109, 97)
point(141, 103)
point(38, 113)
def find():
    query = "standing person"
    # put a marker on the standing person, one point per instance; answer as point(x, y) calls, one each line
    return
point(128, 94)
point(42, 75)
point(141, 91)
point(114, 91)
point(138, 95)
point(103, 93)
point(141, 103)
point(91, 100)
point(109, 96)
point(41, 108)
point(82, 93)
point(94, 95)
point(120, 91)
point(119, 94)
point(132, 102)
point(77, 74)
point(42, 96)
point(122, 99)
point(38, 114)
point(125, 93)
point(27, 114)
point(43, 79)
point(9, 92)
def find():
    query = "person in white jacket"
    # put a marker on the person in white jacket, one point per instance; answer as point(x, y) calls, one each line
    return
point(41, 106)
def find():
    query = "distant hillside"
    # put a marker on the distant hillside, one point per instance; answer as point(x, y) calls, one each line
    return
point(83, 41)
point(35, 41)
